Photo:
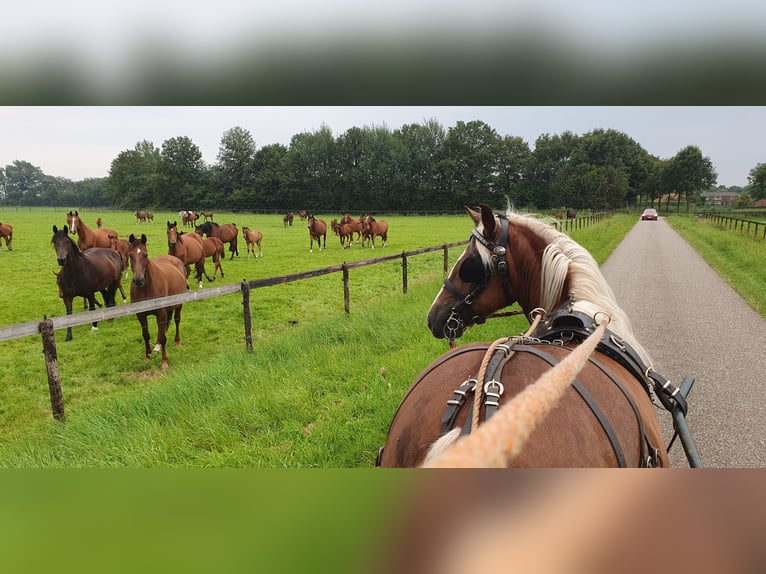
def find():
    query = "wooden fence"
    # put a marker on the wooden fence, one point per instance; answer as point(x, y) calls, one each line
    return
point(735, 223)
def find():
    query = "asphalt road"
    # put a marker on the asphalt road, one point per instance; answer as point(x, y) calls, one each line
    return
point(693, 324)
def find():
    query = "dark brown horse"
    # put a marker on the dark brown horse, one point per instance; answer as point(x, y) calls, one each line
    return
point(604, 418)
point(189, 249)
point(6, 232)
point(318, 232)
point(253, 240)
point(227, 233)
point(372, 229)
point(87, 237)
point(213, 248)
point(159, 277)
point(287, 220)
point(83, 273)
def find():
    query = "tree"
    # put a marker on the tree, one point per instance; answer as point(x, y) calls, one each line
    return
point(24, 183)
point(513, 159)
point(311, 170)
point(182, 173)
point(235, 158)
point(689, 173)
point(134, 177)
point(757, 181)
point(419, 149)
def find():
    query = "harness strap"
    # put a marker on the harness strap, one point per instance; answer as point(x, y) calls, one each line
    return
point(456, 403)
point(597, 412)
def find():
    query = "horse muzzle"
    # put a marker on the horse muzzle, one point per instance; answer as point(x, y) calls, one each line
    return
point(139, 281)
point(61, 261)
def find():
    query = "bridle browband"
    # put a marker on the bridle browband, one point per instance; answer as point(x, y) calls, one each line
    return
point(498, 265)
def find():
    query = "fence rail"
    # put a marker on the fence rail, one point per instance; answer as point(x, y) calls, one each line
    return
point(735, 223)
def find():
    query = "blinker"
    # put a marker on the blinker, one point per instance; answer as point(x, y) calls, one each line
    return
point(472, 269)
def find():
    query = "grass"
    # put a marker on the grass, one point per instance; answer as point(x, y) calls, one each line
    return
point(740, 259)
point(319, 389)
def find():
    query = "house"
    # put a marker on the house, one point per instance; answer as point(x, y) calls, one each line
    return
point(719, 197)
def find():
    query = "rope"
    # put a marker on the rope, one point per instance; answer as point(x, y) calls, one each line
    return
point(501, 439)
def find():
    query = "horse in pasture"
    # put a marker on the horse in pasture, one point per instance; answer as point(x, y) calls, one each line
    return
point(571, 214)
point(189, 218)
point(6, 232)
point(253, 240)
point(122, 247)
point(604, 414)
point(161, 276)
point(302, 214)
point(83, 273)
point(207, 215)
point(99, 223)
point(344, 231)
point(287, 220)
point(318, 232)
point(140, 216)
point(87, 237)
point(228, 233)
point(213, 248)
point(372, 229)
point(188, 248)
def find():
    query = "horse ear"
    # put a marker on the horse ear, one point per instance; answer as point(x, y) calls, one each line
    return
point(75, 212)
point(132, 238)
point(475, 215)
point(55, 229)
point(143, 238)
point(488, 219)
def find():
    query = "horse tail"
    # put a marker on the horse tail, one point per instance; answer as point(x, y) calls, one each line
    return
point(501, 439)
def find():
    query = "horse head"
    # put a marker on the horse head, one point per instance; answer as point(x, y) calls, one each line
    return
point(138, 256)
point(72, 220)
point(62, 244)
point(172, 234)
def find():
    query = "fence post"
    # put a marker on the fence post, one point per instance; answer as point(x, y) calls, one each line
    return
point(247, 316)
point(52, 367)
point(345, 289)
point(446, 259)
point(404, 272)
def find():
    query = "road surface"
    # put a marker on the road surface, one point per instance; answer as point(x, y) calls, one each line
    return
point(693, 323)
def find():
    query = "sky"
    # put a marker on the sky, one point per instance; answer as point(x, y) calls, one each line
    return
point(80, 142)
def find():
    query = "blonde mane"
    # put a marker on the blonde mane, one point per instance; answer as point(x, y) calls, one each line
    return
point(565, 258)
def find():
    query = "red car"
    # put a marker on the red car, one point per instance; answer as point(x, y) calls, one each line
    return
point(649, 215)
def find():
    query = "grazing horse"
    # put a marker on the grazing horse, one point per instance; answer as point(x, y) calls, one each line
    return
point(87, 237)
point(604, 418)
point(6, 232)
point(159, 277)
point(287, 220)
point(188, 248)
point(85, 272)
point(253, 240)
point(227, 233)
point(318, 232)
point(140, 216)
point(207, 215)
point(213, 247)
point(571, 214)
point(373, 229)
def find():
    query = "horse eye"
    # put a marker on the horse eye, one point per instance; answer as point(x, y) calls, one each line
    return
point(472, 269)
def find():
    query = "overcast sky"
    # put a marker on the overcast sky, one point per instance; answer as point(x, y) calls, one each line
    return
point(81, 142)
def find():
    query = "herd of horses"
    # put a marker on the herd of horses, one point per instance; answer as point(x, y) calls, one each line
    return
point(577, 389)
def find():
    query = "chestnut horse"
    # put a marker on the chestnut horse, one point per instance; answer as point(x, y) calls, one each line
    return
point(213, 247)
point(287, 220)
point(227, 233)
point(159, 277)
point(605, 417)
point(372, 229)
point(87, 237)
point(6, 232)
point(318, 232)
point(188, 248)
point(85, 272)
point(253, 239)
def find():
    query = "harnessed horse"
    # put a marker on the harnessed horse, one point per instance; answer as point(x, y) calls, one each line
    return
point(605, 418)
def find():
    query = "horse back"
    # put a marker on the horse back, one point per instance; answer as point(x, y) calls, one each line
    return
point(571, 435)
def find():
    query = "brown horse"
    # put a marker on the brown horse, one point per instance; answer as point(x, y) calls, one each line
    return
point(604, 418)
point(318, 232)
point(287, 220)
point(189, 218)
point(207, 215)
point(188, 248)
point(227, 233)
point(213, 247)
point(85, 272)
point(159, 277)
point(87, 237)
point(253, 239)
point(372, 229)
point(6, 232)
point(140, 216)
point(344, 231)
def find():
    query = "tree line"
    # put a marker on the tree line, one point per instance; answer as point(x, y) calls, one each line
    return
point(418, 167)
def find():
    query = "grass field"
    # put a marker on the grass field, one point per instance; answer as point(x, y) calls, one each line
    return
point(319, 390)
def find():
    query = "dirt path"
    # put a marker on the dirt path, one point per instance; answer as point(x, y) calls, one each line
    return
point(694, 324)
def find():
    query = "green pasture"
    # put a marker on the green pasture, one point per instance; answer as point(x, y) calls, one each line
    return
point(319, 390)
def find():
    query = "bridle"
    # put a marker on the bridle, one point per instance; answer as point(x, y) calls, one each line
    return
point(478, 274)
